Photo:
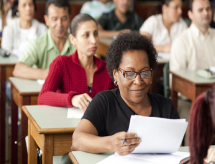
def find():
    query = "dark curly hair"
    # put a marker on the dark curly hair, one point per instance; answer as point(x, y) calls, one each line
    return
point(129, 41)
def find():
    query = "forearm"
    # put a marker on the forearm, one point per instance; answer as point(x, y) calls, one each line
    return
point(91, 143)
point(24, 71)
point(107, 34)
point(160, 48)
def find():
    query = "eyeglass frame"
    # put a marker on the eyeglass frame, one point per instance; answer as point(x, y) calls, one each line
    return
point(137, 73)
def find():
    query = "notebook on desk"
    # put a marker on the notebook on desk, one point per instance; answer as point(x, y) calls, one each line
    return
point(161, 138)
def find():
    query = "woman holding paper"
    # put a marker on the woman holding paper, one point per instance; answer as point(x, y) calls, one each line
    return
point(202, 127)
point(131, 60)
point(74, 80)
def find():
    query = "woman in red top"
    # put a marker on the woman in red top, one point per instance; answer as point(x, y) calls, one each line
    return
point(74, 80)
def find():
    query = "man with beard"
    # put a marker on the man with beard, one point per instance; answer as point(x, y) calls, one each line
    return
point(119, 20)
point(39, 53)
point(195, 49)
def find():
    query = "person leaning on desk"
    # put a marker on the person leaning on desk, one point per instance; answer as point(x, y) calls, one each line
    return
point(131, 59)
point(81, 75)
point(201, 128)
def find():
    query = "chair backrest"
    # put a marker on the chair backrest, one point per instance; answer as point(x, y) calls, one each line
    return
point(166, 80)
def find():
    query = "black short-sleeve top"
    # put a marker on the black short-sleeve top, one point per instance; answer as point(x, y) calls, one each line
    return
point(109, 113)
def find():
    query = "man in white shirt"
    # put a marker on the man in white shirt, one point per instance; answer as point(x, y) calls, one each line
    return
point(195, 48)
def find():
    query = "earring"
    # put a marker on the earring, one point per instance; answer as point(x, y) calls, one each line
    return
point(115, 83)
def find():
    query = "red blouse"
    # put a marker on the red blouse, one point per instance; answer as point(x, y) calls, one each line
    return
point(67, 75)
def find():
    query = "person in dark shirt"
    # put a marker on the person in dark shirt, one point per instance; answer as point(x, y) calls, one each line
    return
point(131, 59)
point(118, 20)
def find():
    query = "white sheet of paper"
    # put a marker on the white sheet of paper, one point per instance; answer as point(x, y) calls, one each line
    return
point(115, 159)
point(164, 55)
point(41, 82)
point(173, 158)
point(158, 135)
point(74, 113)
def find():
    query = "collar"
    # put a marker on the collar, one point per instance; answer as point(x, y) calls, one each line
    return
point(97, 61)
point(197, 32)
point(52, 45)
point(128, 15)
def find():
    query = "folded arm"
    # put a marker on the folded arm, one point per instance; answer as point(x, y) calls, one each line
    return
point(24, 71)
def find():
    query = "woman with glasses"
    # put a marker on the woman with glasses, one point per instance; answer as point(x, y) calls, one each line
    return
point(164, 28)
point(131, 60)
point(74, 80)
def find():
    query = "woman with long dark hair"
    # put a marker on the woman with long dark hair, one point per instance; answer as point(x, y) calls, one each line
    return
point(201, 127)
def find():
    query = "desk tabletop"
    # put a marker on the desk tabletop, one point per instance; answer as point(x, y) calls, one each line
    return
point(88, 158)
point(192, 76)
point(7, 61)
point(106, 41)
point(25, 86)
point(49, 120)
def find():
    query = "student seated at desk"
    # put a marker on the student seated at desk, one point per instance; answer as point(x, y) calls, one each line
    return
point(131, 59)
point(80, 76)
point(22, 29)
point(43, 50)
point(163, 28)
point(202, 127)
point(118, 20)
point(5, 13)
point(96, 8)
point(194, 48)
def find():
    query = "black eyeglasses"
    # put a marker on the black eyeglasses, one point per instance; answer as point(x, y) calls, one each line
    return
point(132, 74)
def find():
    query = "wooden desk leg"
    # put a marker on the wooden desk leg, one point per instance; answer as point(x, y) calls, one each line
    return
point(32, 146)
point(14, 130)
point(24, 130)
point(48, 150)
point(2, 113)
point(174, 94)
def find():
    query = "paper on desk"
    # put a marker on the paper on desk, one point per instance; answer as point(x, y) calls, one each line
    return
point(173, 158)
point(212, 69)
point(158, 135)
point(74, 113)
point(164, 55)
point(41, 82)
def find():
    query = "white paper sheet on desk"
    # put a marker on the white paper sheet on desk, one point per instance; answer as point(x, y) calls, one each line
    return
point(164, 55)
point(173, 158)
point(74, 113)
point(41, 82)
point(158, 135)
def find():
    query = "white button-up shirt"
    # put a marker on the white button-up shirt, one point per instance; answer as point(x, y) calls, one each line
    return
point(193, 50)
point(160, 35)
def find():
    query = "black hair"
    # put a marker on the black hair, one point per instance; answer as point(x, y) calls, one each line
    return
point(129, 41)
point(15, 7)
point(77, 20)
point(191, 4)
point(58, 3)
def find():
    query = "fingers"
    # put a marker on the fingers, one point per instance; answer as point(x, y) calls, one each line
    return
point(132, 141)
point(125, 150)
point(85, 99)
point(124, 135)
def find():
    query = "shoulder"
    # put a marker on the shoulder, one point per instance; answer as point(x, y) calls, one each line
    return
point(36, 23)
point(108, 95)
point(86, 6)
point(107, 15)
point(41, 40)
point(154, 19)
point(14, 23)
point(182, 23)
point(183, 39)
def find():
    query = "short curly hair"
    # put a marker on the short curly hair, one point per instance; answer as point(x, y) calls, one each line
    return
point(129, 41)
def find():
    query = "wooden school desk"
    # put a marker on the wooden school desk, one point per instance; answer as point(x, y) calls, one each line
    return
point(104, 44)
point(6, 68)
point(51, 130)
point(189, 84)
point(23, 92)
point(79, 157)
